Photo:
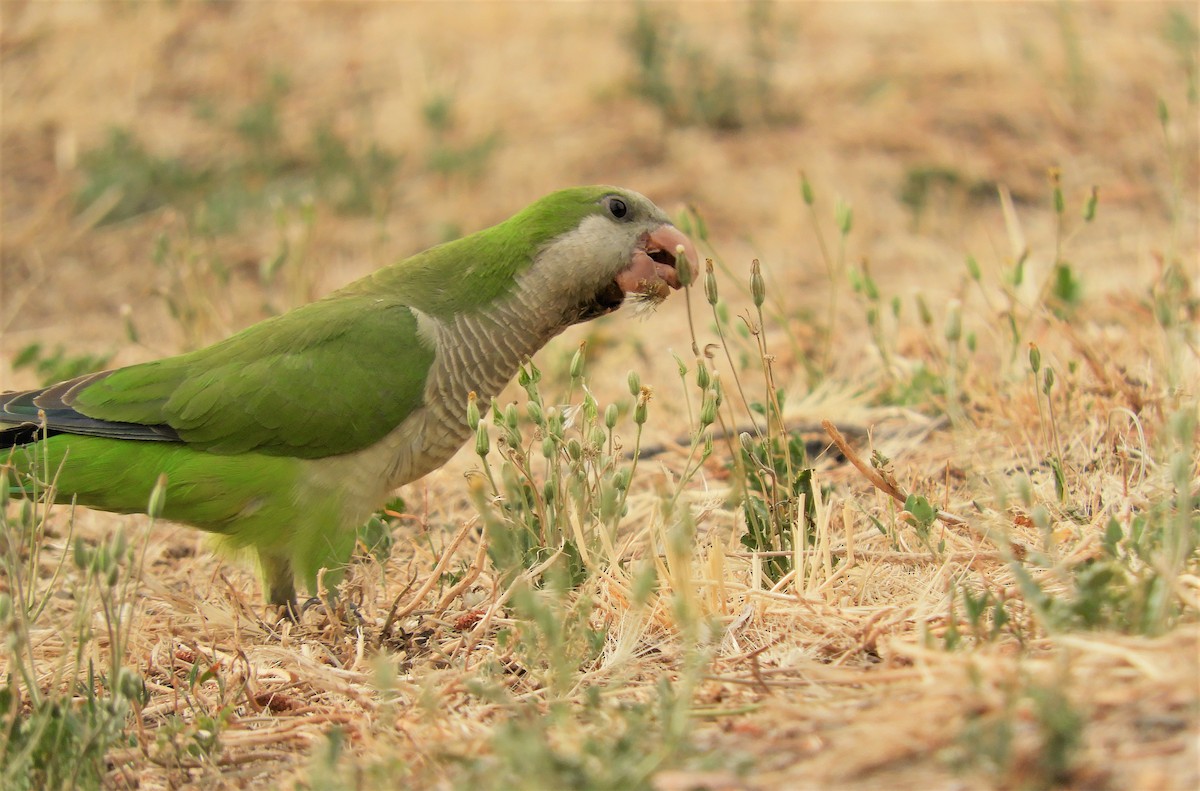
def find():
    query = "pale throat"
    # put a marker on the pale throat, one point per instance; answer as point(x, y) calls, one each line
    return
point(481, 351)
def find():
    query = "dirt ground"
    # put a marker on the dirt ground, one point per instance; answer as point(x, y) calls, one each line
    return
point(938, 123)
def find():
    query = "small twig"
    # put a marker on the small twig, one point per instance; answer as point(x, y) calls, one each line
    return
point(883, 555)
point(813, 447)
point(485, 622)
point(468, 578)
point(882, 484)
point(867, 470)
point(396, 613)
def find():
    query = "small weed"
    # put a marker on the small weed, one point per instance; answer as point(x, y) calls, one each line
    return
point(1043, 379)
point(922, 182)
point(1031, 742)
point(599, 745)
point(334, 766)
point(259, 128)
point(1183, 36)
point(1080, 80)
point(923, 389)
point(778, 486)
point(450, 154)
point(375, 537)
point(83, 724)
point(551, 494)
point(183, 740)
point(936, 187)
point(126, 180)
point(584, 483)
point(1062, 290)
point(987, 615)
point(358, 184)
point(66, 708)
point(197, 275)
point(772, 482)
point(1131, 586)
point(1173, 298)
point(922, 516)
point(864, 286)
point(260, 169)
point(835, 263)
point(691, 88)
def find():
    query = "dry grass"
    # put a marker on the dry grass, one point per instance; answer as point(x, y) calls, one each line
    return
point(859, 670)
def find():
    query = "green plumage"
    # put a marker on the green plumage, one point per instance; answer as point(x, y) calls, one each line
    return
point(243, 498)
point(327, 378)
point(284, 437)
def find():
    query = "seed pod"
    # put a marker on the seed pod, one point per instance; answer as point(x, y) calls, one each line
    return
point(683, 267)
point(472, 411)
point(708, 411)
point(1056, 181)
point(806, 190)
point(640, 410)
point(973, 268)
point(710, 282)
point(635, 384)
point(577, 362)
point(1089, 208)
point(158, 497)
point(953, 328)
point(758, 287)
point(923, 311)
point(845, 217)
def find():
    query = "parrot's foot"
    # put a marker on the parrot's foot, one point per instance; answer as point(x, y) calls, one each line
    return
point(331, 608)
point(285, 611)
point(279, 582)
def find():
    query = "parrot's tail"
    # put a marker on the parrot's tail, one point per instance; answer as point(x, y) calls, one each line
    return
point(24, 434)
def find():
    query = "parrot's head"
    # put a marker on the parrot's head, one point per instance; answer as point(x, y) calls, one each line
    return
point(614, 244)
point(574, 255)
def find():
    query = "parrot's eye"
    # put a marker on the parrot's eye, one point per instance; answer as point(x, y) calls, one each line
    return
point(617, 208)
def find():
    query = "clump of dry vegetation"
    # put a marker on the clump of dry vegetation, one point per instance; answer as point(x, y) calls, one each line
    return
point(902, 493)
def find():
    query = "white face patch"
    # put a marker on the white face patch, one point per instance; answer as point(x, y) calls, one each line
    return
point(583, 260)
point(605, 260)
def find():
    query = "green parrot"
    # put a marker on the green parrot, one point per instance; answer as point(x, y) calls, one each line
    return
point(284, 438)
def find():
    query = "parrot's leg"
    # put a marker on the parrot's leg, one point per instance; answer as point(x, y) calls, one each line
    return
point(279, 579)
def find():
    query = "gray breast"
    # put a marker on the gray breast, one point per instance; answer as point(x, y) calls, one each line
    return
point(477, 353)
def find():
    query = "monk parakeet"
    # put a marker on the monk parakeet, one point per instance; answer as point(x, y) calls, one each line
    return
point(285, 437)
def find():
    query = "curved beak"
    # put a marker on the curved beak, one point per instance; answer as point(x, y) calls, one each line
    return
point(655, 261)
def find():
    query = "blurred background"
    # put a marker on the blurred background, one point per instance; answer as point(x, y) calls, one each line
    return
point(934, 191)
point(175, 171)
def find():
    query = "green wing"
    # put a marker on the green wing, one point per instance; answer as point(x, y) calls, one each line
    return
point(327, 378)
